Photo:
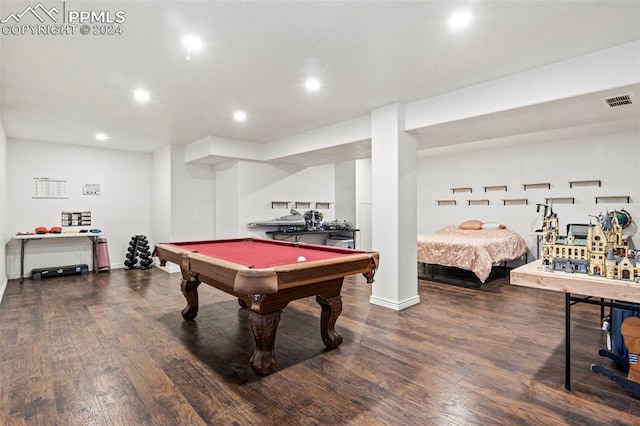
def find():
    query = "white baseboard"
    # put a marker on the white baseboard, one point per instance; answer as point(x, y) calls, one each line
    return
point(15, 276)
point(392, 304)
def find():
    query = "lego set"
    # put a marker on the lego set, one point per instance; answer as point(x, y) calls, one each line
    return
point(603, 251)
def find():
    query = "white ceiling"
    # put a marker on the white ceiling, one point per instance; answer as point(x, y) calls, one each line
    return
point(257, 54)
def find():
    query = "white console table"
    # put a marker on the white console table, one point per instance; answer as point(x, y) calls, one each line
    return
point(24, 239)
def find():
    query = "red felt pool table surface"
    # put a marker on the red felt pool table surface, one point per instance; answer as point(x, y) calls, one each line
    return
point(254, 253)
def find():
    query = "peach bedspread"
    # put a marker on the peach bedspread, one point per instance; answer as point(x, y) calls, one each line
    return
point(473, 250)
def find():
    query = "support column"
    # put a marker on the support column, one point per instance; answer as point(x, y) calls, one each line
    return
point(394, 209)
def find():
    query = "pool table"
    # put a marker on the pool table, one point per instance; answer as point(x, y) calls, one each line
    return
point(265, 275)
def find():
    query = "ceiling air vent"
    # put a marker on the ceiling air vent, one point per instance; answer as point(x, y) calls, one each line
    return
point(619, 100)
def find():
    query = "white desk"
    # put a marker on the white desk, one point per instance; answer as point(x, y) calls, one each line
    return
point(534, 275)
point(24, 239)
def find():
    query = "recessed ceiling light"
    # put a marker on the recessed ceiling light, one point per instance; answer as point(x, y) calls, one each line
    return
point(102, 137)
point(142, 95)
point(192, 44)
point(240, 116)
point(312, 84)
point(460, 19)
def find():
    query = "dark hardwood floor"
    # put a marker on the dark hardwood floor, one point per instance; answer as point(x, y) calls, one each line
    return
point(113, 349)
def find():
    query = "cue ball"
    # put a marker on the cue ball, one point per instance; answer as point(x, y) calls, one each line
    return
point(302, 259)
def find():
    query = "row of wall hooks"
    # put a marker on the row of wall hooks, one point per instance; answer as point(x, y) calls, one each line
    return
point(548, 200)
point(535, 185)
point(321, 205)
point(525, 186)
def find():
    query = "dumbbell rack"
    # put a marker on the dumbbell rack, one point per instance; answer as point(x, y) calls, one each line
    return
point(138, 255)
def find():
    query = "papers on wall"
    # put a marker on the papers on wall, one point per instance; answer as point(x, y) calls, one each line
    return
point(76, 219)
point(91, 189)
point(44, 187)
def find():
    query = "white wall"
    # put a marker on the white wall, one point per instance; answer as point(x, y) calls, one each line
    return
point(160, 191)
point(612, 158)
point(363, 203)
point(219, 201)
point(182, 199)
point(3, 201)
point(345, 188)
point(261, 183)
point(3, 209)
point(227, 200)
point(192, 199)
point(121, 211)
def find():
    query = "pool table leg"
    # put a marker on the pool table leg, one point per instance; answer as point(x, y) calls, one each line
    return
point(190, 292)
point(331, 309)
point(264, 328)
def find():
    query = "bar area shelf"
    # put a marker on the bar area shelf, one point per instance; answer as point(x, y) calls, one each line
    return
point(560, 200)
point(515, 201)
point(482, 202)
point(539, 185)
point(495, 188)
point(280, 204)
point(613, 198)
point(462, 189)
point(446, 202)
point(591, 182)
point(303, 204)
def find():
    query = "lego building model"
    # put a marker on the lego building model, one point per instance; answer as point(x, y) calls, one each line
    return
point(604, 252)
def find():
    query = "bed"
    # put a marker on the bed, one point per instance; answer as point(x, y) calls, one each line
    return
point(475, 250)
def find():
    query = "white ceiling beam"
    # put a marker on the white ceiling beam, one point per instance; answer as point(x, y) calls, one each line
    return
point(606, 69)
point(350, 131)
point(215, 149)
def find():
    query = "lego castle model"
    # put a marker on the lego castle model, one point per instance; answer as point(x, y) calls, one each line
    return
point(604, 252)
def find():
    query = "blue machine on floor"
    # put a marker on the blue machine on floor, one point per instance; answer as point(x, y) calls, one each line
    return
point(617, 350)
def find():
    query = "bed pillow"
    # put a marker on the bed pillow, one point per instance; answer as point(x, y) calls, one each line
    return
point(471, 224)
point(493, 225)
